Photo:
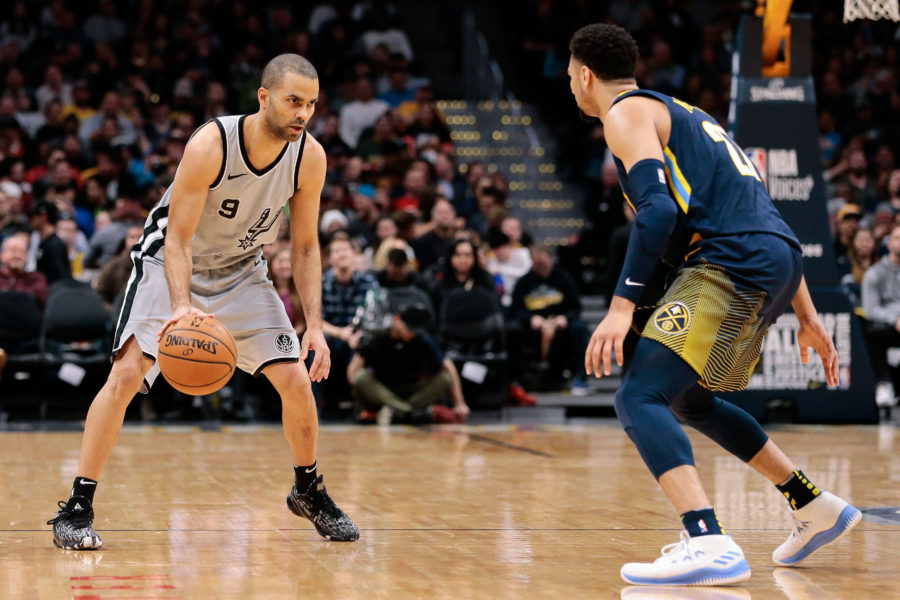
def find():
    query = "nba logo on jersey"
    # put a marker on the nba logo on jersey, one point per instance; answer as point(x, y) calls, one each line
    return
point(759, 159)
point(702, 525)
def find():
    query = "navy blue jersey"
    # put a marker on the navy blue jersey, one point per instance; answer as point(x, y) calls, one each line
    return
point(718, 191)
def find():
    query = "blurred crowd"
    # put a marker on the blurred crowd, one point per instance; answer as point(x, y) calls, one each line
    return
point(98, 99)
point(97, 102)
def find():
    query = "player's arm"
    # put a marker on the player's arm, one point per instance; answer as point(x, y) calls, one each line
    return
point(813, 333)
point(198, 170)
point(632, 132)
point(306, 260)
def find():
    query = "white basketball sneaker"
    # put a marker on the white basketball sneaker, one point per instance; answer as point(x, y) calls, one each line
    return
point(702, 560)
point(820, 522)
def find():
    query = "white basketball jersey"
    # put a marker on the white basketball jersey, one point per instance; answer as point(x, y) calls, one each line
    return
point(243, 208)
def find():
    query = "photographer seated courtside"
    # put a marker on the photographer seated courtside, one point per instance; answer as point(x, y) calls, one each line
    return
point(399, 372)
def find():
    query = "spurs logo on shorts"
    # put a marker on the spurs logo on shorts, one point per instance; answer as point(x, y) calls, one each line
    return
point(284, 343)
point(672, 318)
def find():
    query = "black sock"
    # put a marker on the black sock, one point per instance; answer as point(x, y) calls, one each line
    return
point(798, 490)
point(85, 488)
point(304, 476)
point(702, 521)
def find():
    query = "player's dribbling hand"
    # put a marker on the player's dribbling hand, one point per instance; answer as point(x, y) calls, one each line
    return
point(177, 314)
point(607, 338)
point(812, 334)
point(314, 340)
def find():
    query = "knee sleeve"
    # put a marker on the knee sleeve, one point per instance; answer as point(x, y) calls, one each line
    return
point(656, 377)
point(726, 424)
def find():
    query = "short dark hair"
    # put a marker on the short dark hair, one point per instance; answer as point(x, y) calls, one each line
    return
point(276, 68)
point(607, 50)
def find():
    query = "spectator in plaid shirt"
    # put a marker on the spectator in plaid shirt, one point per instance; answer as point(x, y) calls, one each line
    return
point(343, 291)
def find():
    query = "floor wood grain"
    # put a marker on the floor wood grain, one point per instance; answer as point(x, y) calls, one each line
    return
point(493, 512)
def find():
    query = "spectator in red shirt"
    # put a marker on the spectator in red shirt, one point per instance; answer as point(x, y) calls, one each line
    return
point(13, 276)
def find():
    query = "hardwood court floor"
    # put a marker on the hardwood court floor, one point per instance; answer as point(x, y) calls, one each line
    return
point(495, 512)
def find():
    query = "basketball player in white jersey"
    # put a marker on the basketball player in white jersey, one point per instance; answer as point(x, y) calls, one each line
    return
point(201, 255)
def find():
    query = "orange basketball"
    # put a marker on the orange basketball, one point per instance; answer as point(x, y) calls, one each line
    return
point(197, 355)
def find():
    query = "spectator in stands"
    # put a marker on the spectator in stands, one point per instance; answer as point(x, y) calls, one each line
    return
point(893, 192)
point(383, 33)
point(11, 220)
point(380, 258)
point(406, 371)
point(512, 227)
point(449, 183)
point(22, 296)
point(283, 279)
point(343, 292)
point(400, 90)
point(400, 271)
point(847, 224)
point(881, 305)
point(380, 145)
point(861, 255)
point(487, 197)
point(51, 255)
point(665, 75)
point(428, 130)
point(507, 261)
point(105, 242)
point(13, 276)
point(415, 184)
point(361, 113)
point(854, 170)
point(76, 245)
point(363, 219)
point(104, 25)
point(385, 229)
point(462, 269)
point(547, 305)
point(92, 129)
point(111, 280)
point(431, 246)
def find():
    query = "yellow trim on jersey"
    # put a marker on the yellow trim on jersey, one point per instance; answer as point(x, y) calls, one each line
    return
point(628, 200)
point(680, 187)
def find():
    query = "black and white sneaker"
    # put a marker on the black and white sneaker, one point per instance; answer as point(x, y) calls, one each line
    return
point(315, 504)
point(73, 525)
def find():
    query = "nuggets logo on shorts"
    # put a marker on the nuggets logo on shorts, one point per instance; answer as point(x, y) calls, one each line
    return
point(672, 318)
point(284, 343)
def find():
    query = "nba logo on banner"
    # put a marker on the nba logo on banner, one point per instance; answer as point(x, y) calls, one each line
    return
point(758, 157)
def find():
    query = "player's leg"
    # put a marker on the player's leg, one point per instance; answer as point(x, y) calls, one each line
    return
point(706, 555)
point(73, 523)
point(308, 498)
point(820, 517)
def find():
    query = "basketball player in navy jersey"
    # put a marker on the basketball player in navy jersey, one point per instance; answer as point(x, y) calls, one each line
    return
point(699, 203)
point(201, 255)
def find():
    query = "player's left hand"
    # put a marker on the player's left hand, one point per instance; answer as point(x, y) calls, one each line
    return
point(314, 340)
point(608, 337)
point(813, 334)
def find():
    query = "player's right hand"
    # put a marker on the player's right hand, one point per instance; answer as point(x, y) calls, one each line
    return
point(177, 314)
point(812, 334)
point(609, 337)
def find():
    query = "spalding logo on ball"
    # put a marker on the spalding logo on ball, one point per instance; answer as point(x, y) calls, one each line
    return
point(197, 355)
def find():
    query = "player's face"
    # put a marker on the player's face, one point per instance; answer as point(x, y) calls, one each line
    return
point(288, 107)
point(576, 84)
